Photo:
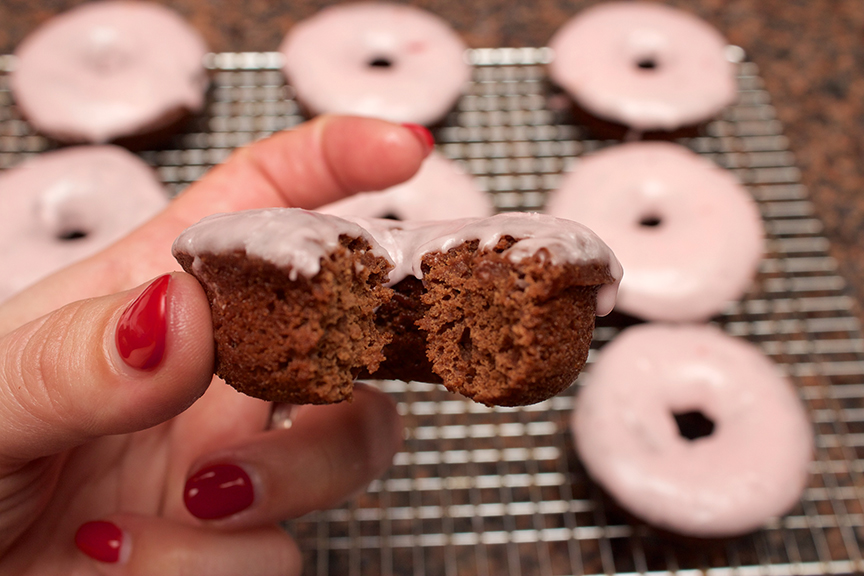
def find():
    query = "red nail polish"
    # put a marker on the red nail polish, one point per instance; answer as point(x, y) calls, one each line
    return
point(423, 134)
point(100, 540)
point(218, 491)
point(143, 326)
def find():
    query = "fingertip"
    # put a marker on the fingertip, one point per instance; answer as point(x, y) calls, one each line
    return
point(142, 329)
point(371, 421)
point(146, 545)
point(383, 422)
point(103, 541)
point(167, 385)
point(368, 154)
point(218, 491)
point(166, 326)
point(423, 135)
point(191, 327)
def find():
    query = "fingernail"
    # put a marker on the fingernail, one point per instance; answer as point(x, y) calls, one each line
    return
point(423, 134)
point(218, 491)
point(143, 326)
point(100, 540)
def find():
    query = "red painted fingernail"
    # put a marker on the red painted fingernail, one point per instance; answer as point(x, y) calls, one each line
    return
point(100, 540)
point(423, 134)
point(218, 491)
point(143, 326)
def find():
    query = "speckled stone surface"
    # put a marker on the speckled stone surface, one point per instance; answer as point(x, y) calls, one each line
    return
point(810, 54)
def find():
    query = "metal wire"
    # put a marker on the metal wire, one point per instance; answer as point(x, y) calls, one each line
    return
point(501, 491)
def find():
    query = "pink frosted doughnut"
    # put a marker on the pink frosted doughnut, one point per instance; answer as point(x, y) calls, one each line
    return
point(389, 61)
point(106, 70)
point(644, 65)
point(63, 206)
point(439, 191)
point(750, 468)
point(689, 236)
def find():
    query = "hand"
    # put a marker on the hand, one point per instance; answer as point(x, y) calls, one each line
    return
point(132, 451)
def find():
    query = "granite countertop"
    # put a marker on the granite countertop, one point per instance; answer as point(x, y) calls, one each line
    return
point(810, 54)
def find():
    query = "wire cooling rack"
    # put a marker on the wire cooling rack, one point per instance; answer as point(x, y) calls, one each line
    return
point(501, 491)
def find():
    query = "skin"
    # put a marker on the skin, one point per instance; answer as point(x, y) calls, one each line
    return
point(85, 437)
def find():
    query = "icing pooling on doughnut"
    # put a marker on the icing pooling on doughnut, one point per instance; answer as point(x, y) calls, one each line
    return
point(752, 467)
point(378, 59)
point(439, 191)
point(298, 238)
point(66, 205)
point(644, 65)
point(109, 69)
point(688, 234)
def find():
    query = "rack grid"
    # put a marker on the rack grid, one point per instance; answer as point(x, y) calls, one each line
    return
point(501, 491)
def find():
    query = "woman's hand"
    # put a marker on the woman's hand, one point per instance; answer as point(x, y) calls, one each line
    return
point(117, 453)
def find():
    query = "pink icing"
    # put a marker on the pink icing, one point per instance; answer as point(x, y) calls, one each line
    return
point(109, 69)
point(439, 191)
point(598, 55)
point(329, 58)
point(100, 191)
point(705, 249)
point(298, 238)
point(287, 237)
point(753, 466)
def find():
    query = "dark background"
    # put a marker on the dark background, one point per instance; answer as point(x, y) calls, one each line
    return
point(810, 54)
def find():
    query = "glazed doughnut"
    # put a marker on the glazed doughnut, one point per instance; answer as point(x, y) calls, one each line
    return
point(107, 70)
point(439, 191)
point(644, 65)
point(745, 462)
point(499, 309)
point(63, 206)
point(688, 234)
point(389, 61)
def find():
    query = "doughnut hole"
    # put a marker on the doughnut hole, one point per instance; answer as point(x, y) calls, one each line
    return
point(74, 234)
point(647, 63)
point(650, 220)
point(106, 52)
point(381, 62)
point(693, 424)
point(71, 228)
point(66, 220)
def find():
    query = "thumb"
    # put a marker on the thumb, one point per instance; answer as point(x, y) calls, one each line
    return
point(108, 365)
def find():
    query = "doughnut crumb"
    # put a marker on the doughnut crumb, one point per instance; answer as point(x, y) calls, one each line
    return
point(295, 341)
point(507, 334)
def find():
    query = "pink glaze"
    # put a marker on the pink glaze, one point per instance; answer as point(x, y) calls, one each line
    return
point(109, 69)
point(752, 467)
point(328, 60)
point(439, 191)
point(101, 191)
point(299, 239)
point(598, 55)
point(709, 241)
point(287, 237)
